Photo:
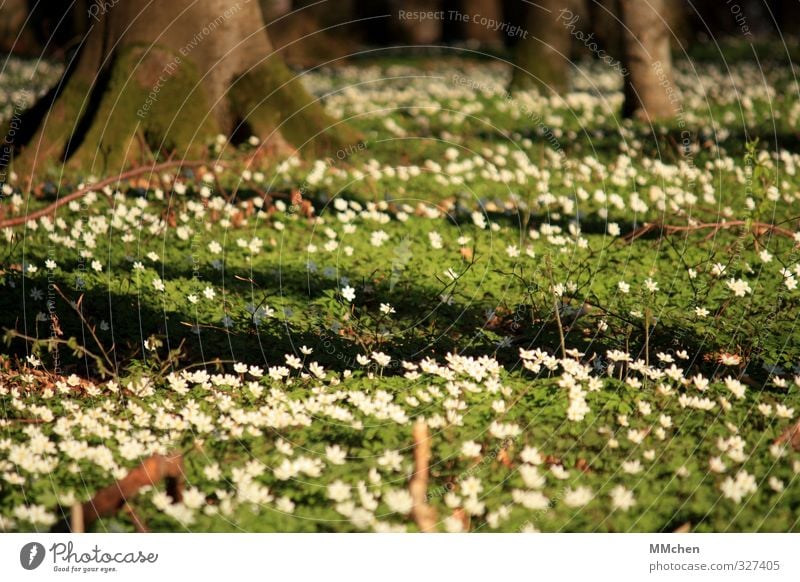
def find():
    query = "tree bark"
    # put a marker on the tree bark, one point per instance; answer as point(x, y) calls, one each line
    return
point(543, 54)
point(164, 78)
point(650, 91)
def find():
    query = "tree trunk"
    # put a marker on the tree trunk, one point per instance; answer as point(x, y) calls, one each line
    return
point(416, 31)
point(473, 30)
point(165, 78)
point(542, 55)
point(650, 92)
point(15, 35)
point(310, 33)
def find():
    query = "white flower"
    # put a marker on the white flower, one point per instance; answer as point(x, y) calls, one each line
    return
point(284, 504)
point(736, 387)
point(622, 498)
point(740, 287)
point(391, 460)
point(739, 487)
point(158, 284)
point(471, 486)
point(193, 498)
point(348, 293)
point(209, 293)
point(632, 467)
point(387, 309)
point(531, 477)
point(531, 456)
point(716, 465)
point(212, 472)
point(399, 501)
point(35, 514)
point(651, 285)
point(623, 287)
point(317, 370)
point(470, 449)
point(381, 359)
point(453, 524)
point(338, 491)
point(335, 454)
point(578, 497)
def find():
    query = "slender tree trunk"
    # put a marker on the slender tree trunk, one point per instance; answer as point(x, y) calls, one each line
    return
point(417, 31)
point(542, 55)
point(650, 91)
point(473, 30)
point(164, 78)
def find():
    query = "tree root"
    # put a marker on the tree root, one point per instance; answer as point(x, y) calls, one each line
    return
point(271, 101)
point(144, 105)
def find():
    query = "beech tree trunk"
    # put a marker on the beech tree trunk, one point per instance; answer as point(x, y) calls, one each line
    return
point(166, 78)
point(542, 56)
point(650, 91)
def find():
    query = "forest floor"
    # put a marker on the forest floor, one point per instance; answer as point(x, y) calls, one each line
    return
point(595, 320)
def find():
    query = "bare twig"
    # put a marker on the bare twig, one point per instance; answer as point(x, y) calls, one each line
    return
point(77, 308)
point(424, 515)
point(759, 228)
point(76, 524)
point(48, 210)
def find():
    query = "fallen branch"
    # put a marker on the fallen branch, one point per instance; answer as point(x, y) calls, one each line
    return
point(424, 515)
point(154, 469)
point(46, 211)
point(759, 228)
point(76, 524)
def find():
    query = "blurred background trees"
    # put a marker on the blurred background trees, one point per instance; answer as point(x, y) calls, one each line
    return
point(543, 39)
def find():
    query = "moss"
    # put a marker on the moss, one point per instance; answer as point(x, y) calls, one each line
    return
point(152, 103)
point(271, 99)
point(537, 71)
point(49, 129)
